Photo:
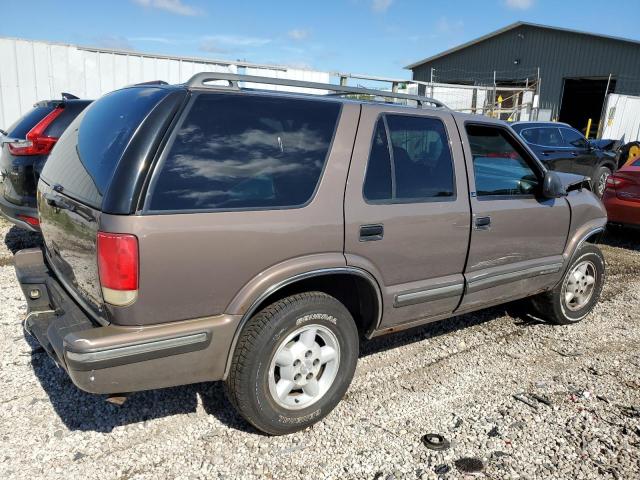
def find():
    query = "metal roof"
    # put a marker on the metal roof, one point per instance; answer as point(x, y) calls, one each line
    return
point(511, 27)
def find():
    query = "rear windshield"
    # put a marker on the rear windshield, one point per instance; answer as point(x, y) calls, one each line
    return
point(87, 154)
point(25, 123)
point(70, 111)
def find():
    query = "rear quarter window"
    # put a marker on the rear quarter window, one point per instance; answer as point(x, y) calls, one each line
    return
point(245, 151)
point(85, 158)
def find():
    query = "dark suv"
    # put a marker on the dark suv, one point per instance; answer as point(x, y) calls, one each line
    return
point(563, 148)
point(206, 232)
point(25, 147)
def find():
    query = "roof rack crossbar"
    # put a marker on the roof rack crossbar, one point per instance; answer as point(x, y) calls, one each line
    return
point(199, 80)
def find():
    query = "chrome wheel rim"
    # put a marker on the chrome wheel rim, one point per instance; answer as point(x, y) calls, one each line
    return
point(602, 183)
point(579, 286)
point(304, 367)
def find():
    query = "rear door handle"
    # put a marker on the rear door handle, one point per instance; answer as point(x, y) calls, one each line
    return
point(369, 233)
point(482, 223)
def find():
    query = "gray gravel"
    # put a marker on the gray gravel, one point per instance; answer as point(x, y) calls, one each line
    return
point(457, 378)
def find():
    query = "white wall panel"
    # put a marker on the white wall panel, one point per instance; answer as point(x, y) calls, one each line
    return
point(622, 118)
point(9, 95)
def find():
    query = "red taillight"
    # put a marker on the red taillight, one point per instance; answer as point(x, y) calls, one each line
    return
point(37, 143)
point(33, 221)
point(616, 182)
point(118, 267)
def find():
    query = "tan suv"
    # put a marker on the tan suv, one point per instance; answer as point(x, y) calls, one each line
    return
point(208, 231)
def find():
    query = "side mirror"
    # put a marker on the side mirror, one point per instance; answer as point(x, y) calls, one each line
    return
point(552, 186)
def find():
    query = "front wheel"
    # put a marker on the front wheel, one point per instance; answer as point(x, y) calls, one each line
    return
point(578, 292)
point(600, 180)
point(293, 363)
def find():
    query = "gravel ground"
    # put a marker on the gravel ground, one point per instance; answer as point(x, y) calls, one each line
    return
point(457, 378)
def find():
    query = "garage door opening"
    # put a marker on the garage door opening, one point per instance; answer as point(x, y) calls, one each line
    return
point(582, 99)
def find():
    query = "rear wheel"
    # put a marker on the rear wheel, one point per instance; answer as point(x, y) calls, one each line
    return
point(293, 363)
point(600, 180)
point(578, 292)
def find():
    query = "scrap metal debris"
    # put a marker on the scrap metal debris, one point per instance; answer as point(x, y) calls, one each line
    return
point(524, 399)
point(434, 441)
point(117, 399)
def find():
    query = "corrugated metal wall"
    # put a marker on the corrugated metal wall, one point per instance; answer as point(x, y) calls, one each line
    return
point(31, 71)
point(559, 55)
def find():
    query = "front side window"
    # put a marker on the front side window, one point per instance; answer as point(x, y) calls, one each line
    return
point(411, 163)
point(573, 138)
point(499, 168)
point(545, 136)
point(246, 151)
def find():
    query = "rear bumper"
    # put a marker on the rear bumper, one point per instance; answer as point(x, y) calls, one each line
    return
point(11, 211)
point(116, 359)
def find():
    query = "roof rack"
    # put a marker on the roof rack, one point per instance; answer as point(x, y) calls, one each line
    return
point(200, 80)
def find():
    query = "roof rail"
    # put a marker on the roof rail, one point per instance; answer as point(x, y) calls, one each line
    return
point(199, 80)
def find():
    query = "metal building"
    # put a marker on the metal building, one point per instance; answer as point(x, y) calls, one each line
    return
point(574, 70)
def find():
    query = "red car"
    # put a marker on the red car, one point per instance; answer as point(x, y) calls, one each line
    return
point(622, 195)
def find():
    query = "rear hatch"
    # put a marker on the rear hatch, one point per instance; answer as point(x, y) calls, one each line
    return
point(75, 181)
point(36, 133)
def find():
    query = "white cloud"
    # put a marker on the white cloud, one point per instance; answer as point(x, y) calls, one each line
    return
point(298, 34)
point(381, 6)
point(173, 6)
point(519, 4)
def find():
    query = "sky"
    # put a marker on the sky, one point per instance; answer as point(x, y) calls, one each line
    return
point(374, 37)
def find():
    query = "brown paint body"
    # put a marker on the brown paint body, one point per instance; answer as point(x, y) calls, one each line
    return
point(205, 273)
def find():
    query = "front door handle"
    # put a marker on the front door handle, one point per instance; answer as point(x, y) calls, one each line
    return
point(369, 233)
point(482, 223)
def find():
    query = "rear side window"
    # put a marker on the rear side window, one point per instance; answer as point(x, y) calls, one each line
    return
point(25, 123)
point(411, 164)
point(246, 152)
point(546, 136)
point(87, 154)
point(573, 138)
point(499, 168)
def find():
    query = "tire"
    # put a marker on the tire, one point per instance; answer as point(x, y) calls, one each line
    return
point(600, 180)
point(558, 306)
point(256, 376)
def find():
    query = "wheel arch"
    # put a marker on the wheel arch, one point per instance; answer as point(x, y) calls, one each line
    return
point(340, 282)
